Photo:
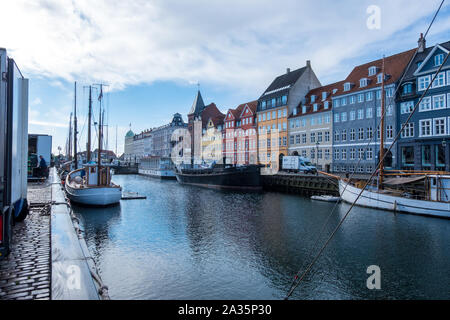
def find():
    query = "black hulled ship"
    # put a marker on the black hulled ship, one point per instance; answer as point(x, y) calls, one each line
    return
point(246, 178)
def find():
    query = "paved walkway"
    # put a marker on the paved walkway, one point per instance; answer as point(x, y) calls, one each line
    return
point(26, 272)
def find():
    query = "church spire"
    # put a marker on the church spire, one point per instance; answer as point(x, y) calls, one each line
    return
point(198, 105)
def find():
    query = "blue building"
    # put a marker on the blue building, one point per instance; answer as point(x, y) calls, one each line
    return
point(424, 144)
point(357, 115)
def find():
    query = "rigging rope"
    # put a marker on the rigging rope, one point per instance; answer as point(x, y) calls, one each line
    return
point(296, 281)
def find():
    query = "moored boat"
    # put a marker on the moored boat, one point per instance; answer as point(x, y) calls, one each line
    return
point(433, 201)
point(157, 167)
point(82, 187)
point(247, 178)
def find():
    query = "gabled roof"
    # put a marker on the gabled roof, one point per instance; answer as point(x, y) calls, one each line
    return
point(211, 112)
point(283, 82)
point(198, 106)
point(394, 67)
point(443, 47)
point(332, 90)
point(253, 105)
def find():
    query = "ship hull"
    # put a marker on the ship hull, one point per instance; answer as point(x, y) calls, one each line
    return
point(245, 179)
point(159, 174)
point(377, 200)
point(94, 196)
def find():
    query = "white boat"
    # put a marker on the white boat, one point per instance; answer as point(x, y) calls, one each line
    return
point(434, 202)
point(157, 167)
point(326, 198)
point(83, 187)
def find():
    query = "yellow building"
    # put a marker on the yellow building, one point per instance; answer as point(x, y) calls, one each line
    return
point(275, 106)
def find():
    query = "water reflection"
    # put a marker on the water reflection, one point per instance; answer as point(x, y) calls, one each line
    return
point(192, 243)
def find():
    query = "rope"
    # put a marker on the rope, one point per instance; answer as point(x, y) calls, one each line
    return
point(296, 281)
point(366, 184)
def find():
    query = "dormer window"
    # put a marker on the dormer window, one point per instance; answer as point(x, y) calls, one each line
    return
point(326, 105)
point(347, 86)
point(380, 78)
point(316, 107)
point(439, 59)
point(324, 95)
point(372, 71)
point(304, 109)
point(363, 82)
point(295, 111)
point(313, 98)
point(334, 91)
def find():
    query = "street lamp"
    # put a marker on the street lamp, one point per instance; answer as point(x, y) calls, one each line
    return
point(317, 153)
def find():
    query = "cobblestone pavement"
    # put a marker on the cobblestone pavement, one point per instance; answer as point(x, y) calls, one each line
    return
point(26, 272)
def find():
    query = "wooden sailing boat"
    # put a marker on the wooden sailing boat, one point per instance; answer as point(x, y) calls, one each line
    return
point(424, 193)
point(92, 185)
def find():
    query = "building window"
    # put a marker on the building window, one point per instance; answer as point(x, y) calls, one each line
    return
point(313, 121)
point(389, 110)
point(363, 83)
point(336, 154)
point(369, 154)
point(425, 128)
point(327, 118)
point(313, 137)
point(369, 96)
point(439, 102)
point(327, 154)
point(303, 109)
point(369, 133)
point(378, 94)
point(360, 114)
point(361, 97)
point(343, 101)
point(344, 116)
point(439, 81)
point(369, 113)
point(380, 78)
point(336, 103)
point(319, 153)
point(438, 59)
point(390, 132)
point(297, 139)
point(313, 98)
point(440, 127)
point(378, 112)
point(406, 107)
point(344, 135)
point(313, 153)
point(425, 105)
point(284, 141)
point(352, 115)
point(352, 99)
point(352, 134)
point(327, 136)
point(352, 154)
point(426, 156)
point(408, 131)
point(361, 134)
point(336, 136)
point(440, 155)
point(372, 71)
point(297, 123)
point(319, 136)
point(336, 117)
point(407, 89)
point(304, 138)
point(408, 156)
point(315, 107)
point(291, 139)
point(274, 115)
point(423, 83)
point(304, 154)
point(344, 154)
point(326, 105)
point(347, 86)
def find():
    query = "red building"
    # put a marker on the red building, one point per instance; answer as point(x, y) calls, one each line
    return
point(240, 136)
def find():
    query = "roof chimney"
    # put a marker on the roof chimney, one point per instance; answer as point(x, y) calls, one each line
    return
point(308, 63)
point(422, 43)
point(288, 70)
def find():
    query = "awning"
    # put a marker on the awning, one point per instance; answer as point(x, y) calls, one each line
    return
point(403, 180)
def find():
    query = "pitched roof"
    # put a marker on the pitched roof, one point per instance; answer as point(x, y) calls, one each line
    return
point(420, 57)
point(198, 106)
point(283, 82)
point(238, 111)
point(394, 67)
point(332, 90)
point(212, 112)
point(253, 105)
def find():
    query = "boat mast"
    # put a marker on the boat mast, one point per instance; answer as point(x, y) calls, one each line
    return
point(88, 148)
point(70, 139)
point(99, 159)
point(75, 130)
point(381, 168)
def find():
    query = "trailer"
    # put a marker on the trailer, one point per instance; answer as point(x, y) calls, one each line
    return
point(13, 148)
point(38, 145)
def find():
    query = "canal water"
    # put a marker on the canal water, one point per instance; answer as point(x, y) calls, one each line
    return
point(191, 243)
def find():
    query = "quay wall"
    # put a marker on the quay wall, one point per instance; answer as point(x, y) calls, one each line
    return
point(74, 275)
point(302, 184)
point(126, 169)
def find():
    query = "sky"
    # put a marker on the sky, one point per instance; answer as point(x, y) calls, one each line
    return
point(155, 54)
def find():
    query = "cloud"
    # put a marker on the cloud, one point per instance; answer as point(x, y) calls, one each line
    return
point(238, 44)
